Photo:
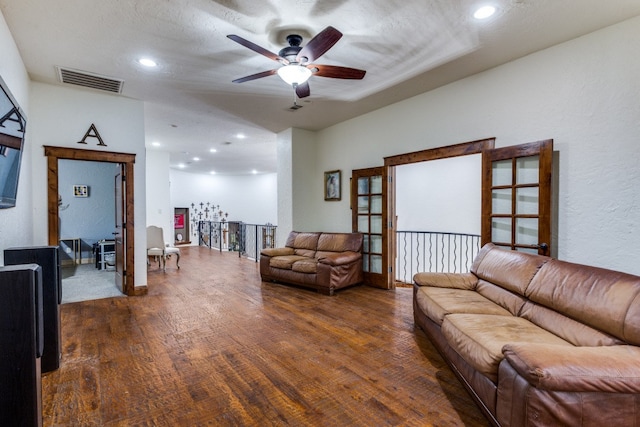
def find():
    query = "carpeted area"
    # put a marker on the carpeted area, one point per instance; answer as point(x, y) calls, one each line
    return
point(85, 282)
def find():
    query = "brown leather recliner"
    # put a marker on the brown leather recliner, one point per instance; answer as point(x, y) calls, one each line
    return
point(322, 261)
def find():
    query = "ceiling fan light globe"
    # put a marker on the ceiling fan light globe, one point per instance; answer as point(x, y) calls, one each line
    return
point(294, 74)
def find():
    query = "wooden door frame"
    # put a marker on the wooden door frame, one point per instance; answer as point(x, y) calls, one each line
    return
point(53, 154)
point(463, 149)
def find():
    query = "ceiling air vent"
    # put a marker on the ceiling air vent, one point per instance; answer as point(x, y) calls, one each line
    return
point(90, 80)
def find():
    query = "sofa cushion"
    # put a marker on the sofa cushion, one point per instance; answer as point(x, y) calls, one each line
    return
point(340, 242)
point(436, 303)
point(511, 270)
point(307, 253)
point(479, 338)
point(603, 299)
point(504, 298)
point(285, 262)
point(298, 240)
point(568, 329)
point(307, 265)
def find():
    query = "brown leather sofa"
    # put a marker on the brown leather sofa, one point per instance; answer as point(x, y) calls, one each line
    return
point(322, 261)
point(537, 341)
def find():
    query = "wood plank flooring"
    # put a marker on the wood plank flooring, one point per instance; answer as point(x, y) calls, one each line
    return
point(212, 345)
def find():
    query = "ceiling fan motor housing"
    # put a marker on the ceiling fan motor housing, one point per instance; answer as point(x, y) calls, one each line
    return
point(291, 52)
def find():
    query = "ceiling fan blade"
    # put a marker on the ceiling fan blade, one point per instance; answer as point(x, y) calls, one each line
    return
point(255, 76)
point(336, 72)
point(254, 47)
point(303, 90)
point(318, 45)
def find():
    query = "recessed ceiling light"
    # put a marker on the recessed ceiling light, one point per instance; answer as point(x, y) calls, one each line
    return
point(240, 136)
point(213, 150)
point(156, 144)
point(196, 159)
point(212, 172)
point(254, 171)
point(182, 166)
point(484, 12)
point(147, 62)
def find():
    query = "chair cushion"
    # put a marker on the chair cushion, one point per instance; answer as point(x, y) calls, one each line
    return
point(285, 262)
point(340, 242)
point(309, 265)
point(436, 303)
point(298, 240)
point(479, 338)
point(308, 253)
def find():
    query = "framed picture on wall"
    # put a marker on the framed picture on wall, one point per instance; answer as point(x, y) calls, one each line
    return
point(178, 221)
point(81, 190)
point(332, 185)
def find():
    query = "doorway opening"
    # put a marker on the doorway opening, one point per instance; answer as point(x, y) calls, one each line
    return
point(124, 206)
point(87, 221)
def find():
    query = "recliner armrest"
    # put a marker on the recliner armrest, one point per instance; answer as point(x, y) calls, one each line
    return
point(609, 369)
point(277, 251)
point(340, 258)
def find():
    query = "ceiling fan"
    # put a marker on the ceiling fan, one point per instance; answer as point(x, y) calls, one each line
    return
point(297, 61)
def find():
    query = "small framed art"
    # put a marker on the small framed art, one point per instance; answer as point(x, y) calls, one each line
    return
point(332, 185)
point(81, 191)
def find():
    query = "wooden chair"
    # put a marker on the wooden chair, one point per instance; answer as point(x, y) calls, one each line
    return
point(156, 247)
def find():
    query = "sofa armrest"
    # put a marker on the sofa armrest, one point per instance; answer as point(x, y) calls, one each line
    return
point(609, 369)
point(447, 280)
point(340, 258)
point(277, 251)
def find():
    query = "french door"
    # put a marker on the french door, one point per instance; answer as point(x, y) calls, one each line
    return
point(369, 216)
point(516, 197)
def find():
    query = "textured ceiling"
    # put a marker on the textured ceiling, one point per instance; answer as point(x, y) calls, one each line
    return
point(191, 105)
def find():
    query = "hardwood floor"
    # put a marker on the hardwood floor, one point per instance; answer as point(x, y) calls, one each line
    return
point(211, 345)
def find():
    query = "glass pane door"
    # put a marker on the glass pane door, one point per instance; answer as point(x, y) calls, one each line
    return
point(517, 197)
point(367, 192)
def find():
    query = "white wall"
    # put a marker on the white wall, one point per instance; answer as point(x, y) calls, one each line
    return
point(61, 116)
point(584, 94)
point(306, 178)
point(285, 184)
point(89, 218)
point(159, 207)
point(15, 223)
point(440, 195)
point(251, 199)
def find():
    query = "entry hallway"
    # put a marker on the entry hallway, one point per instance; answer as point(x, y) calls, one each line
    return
point(212, 345)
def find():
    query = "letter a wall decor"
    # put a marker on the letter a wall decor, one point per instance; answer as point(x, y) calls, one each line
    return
point(92, 133)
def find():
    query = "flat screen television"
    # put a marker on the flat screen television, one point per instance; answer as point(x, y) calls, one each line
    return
point(12, 127)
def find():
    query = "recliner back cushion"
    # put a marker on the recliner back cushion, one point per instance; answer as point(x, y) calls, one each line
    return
point(340, 242)
point(509, 269)
point(575, 332)
point(603, 299)
point(304, 244)
point(506, 299)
